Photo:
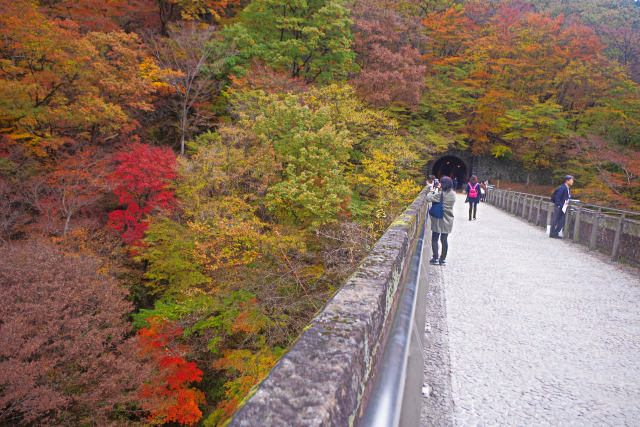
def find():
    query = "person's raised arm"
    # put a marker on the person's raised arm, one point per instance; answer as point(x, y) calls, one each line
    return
point(433, 195)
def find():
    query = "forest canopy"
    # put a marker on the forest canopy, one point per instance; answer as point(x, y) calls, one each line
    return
point(211, 171)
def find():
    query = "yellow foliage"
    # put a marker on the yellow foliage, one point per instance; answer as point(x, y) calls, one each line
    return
point(229, 236)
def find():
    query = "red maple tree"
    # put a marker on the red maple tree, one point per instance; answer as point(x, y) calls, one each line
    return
point(142, 182)
point(168, 397)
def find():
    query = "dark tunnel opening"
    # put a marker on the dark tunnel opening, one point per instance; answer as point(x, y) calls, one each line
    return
point(452, 167)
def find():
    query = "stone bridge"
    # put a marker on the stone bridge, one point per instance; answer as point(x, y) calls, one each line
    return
point(517, 328)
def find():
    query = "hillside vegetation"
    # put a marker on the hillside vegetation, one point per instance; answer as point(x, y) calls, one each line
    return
point(185, 183)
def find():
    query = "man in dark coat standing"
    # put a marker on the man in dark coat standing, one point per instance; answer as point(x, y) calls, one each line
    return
point(560, 198)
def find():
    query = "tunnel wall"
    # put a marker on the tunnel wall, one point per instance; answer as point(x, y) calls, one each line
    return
point(324, 378)
point(488, 167)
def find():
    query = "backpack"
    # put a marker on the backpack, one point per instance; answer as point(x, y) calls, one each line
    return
point(473, 191)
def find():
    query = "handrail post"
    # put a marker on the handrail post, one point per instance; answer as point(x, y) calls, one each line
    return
point(530, 217)
point(549, 210)
point(520, 200)
point(539, 209)
point(616, 240)
point(520, 207)
point(565, 232)
point(524, 205)
point(594, 230)
point(576, 225)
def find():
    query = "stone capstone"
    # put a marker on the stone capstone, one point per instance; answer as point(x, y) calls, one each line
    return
point(323, 379)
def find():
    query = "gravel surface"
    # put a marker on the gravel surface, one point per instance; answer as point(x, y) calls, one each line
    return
point(539, 331)
point(437, 404)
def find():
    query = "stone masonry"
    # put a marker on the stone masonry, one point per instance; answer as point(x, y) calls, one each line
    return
point(323, 379)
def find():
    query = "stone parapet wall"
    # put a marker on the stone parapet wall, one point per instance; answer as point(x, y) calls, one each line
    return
point(324, 379)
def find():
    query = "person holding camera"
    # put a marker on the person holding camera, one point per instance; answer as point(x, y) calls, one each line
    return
point(431, 182)
point(441, 226)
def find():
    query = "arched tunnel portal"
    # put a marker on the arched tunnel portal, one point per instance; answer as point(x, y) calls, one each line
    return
point(451, 166)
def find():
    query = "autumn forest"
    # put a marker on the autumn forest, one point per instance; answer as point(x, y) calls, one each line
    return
point(185, 183)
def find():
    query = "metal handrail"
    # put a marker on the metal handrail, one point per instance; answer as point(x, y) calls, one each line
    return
point(517, 203)
point(389, 397)
point(595, 207)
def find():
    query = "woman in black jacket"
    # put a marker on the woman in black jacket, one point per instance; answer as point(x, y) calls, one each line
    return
point(473, 195)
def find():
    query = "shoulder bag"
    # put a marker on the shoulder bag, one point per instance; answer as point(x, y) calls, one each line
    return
point(437, 209)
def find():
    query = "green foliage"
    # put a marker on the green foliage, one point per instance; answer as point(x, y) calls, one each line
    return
point(169, 309)
point(310, 39)
point(446, 104)
point(500, 150)
point(540, 132)
point(169, 251)
point(325, 141)
point(215, 317)
point(313, 153)
point(617, 115)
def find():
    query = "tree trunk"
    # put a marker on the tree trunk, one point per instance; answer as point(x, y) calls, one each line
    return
point(66, 225)
point(183, 126)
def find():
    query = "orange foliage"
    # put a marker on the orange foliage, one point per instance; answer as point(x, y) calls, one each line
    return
point(449, 43)
point(59, 85)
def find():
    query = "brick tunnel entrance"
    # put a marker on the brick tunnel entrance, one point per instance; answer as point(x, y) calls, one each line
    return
point(451, 166)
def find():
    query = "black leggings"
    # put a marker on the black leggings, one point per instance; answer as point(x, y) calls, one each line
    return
point(434, 244)
point(473, 207)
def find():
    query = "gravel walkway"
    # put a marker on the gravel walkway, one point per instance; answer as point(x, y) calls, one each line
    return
point(540, 332)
